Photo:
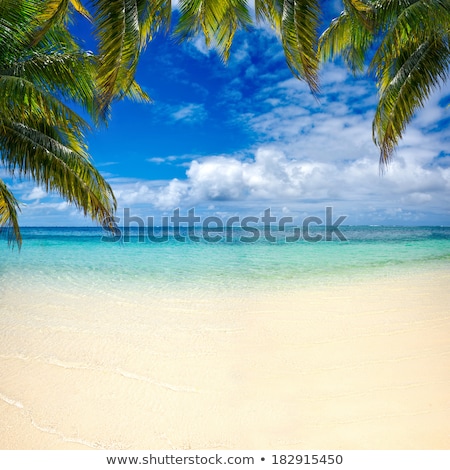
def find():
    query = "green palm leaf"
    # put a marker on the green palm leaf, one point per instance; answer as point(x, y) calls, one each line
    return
point(217, 20)
point(154, 16)
point(119, 35)
point(39, 154)
point(53, 12)
point(348, 36)
point(270, 11)
point(415, 23)
point(9, 208)
point(299, 24)
point(419, 72)
point(22, 101)
point(411, 61)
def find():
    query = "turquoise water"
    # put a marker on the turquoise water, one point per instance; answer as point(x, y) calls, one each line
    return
point(78, 257)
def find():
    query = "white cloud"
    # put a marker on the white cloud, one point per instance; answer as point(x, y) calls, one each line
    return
point(156, 160)
point(216, 178)
point(199, 44)
point(36, 193)
point(103, 164)
point(273, 179)
point(191, 112)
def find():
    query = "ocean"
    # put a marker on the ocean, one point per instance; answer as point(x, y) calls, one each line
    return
point(88, 258)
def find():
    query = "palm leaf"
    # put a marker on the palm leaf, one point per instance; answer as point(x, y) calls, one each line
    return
point(79, 8)
point(411, 58)
point(270, 11)
point(297, 23)
point(416, 22)
point(52, 12)
point(350, 36)
point(9, 208)
point(300, 21)
point(69, 75)
point(217, 20)
point(154, 16)
point(22, 101)
point(39, 154)
point(16, 25)
point(411, 61)
point(136, 93)
point(118, 33)
point(419, 72)
point(41, 137)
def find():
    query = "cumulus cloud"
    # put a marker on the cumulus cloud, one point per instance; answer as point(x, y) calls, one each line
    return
point(36, 193)
point(274, 179)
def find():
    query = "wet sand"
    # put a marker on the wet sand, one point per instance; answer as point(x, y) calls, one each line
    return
point(357, 366)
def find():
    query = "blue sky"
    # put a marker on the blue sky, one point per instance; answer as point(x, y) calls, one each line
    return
point(240, 138)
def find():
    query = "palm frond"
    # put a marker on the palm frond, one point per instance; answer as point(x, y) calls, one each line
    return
point(412, 11)
point(79, 8)
point(154, 16)
point(41, 137)
point(350, 36)
point(70, 75)
point(16, 25)
point(119, 37)
point(52, 12)
point(419, 72)
point(39, 154)
point(411, 59)
point(299, 25)
point(9, 208)
point(415, 22)
point(136, 93)
point(361, 9)
point(270, 11)
point(22, 101)
point(217, 20)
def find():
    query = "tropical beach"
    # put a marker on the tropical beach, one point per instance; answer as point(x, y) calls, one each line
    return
point(112, 352)
point(224, 225)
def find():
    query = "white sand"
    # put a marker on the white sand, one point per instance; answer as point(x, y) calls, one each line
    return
point(362, 366)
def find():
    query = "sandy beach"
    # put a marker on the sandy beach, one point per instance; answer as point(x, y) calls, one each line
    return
point(351, 366)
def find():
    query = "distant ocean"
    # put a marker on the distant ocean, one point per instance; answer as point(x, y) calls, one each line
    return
point(79, 258)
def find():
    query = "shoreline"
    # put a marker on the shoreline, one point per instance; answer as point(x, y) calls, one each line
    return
point(362, 365)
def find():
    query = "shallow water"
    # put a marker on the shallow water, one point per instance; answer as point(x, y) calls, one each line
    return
point(79, 258)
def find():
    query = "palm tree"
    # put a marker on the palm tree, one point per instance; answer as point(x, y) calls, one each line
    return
point(41, 137)
point(408, 42)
